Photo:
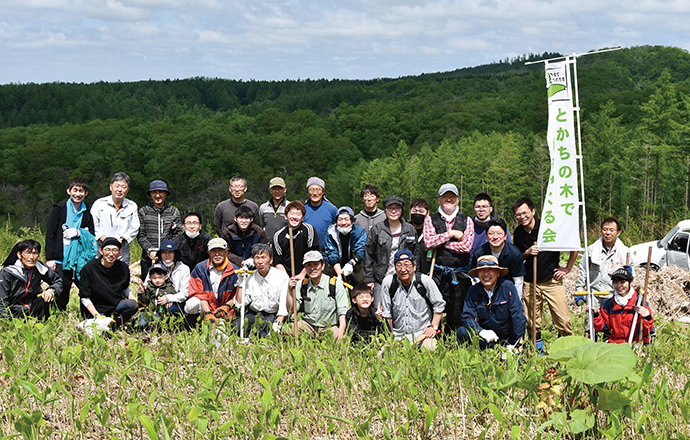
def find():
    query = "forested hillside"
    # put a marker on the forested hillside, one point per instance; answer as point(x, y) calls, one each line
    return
point(482, 128)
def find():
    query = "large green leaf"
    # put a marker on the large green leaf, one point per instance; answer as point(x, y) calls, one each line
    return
point(561, 349)
point(611, 400)
point(599, 362)
point(580, 421)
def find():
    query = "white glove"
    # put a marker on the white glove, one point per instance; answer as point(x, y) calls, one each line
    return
point(277, 326)
point(249, 264)
point(70, 233)
point(347, 270)
point(488, 335)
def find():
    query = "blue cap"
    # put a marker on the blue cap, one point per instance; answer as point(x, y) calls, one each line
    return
point(403, 255)
point(158, 185)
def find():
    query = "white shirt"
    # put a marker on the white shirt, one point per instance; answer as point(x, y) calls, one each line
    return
point(266, 294)
point(111, 222)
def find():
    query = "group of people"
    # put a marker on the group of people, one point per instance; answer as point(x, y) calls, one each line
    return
point(344, 274)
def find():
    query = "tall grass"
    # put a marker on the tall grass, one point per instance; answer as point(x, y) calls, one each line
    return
point(58, 383)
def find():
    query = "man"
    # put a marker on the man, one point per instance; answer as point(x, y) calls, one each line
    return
point(62, 230)
point(412, 304)
point(224, 214)
point(324, 306)
point(492, 308)
point(266, 293)
point(193, 244)
point(383, 241)
point(508, 255)
point(319, 213)
point(451, 234)
point(242, 235)
point(483, 209)
point(345, 247)
point(419, 211)
point(304, 239)
point(104, 285)
point(116, 216)
point(606, 255)
point(158, 222)
point(272, 213)
point(549, 282)
point(371, 214)
point(21, 292)
point(212, 285)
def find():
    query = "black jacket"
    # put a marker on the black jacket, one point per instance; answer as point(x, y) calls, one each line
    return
point(193, 250)
point(362, 328)
point(377, 250)
point(16, 295)
point(57, 218)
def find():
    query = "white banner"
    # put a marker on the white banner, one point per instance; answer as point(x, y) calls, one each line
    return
point(560, 219)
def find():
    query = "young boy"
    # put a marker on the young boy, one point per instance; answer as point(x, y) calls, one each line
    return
point(157, 286)
point(361, 320)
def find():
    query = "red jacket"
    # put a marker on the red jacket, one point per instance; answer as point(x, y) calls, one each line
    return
point(618, 320)
point(200, 284)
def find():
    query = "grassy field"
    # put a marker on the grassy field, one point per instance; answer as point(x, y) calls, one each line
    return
point(55, 382)
point(58, 383)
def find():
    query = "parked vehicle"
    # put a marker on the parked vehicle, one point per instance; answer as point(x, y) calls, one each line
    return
point(672, 250)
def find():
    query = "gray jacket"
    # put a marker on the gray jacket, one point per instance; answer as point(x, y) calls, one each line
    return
point(377, 250)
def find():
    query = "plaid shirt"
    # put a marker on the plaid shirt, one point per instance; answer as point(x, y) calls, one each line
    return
point(433, 240)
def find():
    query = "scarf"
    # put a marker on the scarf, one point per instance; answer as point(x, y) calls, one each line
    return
point(623, 300)
point(448, 217)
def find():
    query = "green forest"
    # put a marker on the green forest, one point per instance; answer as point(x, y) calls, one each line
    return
point(483, 128)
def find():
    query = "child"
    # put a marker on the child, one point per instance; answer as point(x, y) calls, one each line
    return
point(362, 322)
point(618, 313)
point(157, 286)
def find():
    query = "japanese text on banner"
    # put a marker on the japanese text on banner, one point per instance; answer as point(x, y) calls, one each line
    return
point(560, 227)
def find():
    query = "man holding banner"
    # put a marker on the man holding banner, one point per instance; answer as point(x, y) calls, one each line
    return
point(549, 281)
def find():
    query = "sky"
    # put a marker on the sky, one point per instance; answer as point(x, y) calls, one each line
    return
point(129, 40)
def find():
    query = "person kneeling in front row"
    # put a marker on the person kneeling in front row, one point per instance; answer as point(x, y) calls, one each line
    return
point(618, 313)
point(104, 286)
point(492, 309)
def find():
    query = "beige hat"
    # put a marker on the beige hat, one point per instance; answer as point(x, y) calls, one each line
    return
point(488, 262)
point(217, 243)
point(276, 181)
point(312, 256)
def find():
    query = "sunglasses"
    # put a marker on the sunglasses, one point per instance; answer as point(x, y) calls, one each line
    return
point(487, 263)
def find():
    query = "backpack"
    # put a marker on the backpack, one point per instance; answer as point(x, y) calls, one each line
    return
point(305, 285)
point(417, 283)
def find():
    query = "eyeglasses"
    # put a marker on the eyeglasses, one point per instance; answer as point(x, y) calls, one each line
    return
point(393, 208)
point(192, 223)
point(111, 251)
point(30, 253)
point(401, 264)
point(486, 263)
point(236, 188)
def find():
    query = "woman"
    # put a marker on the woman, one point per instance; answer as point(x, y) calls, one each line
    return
point(618, 313)
point(20, 283)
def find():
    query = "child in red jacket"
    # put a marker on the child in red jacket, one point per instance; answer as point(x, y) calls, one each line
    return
point(617, 314)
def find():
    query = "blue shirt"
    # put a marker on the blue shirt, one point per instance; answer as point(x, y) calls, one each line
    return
point(72, 220)
point(321, 217)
